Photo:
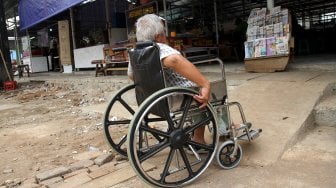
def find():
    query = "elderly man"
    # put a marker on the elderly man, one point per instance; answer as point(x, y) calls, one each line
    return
point(178, 71)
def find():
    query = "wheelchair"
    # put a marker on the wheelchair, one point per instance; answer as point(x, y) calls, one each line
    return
point(151, 123)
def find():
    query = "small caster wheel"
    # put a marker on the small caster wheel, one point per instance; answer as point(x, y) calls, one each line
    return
point(224, 158)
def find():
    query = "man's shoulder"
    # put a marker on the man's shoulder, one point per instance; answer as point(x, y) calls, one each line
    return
point(162, 45)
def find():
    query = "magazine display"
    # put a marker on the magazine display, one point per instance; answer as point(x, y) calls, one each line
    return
point(268, 33)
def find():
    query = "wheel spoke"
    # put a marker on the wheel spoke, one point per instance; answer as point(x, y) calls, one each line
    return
point(186, 106)
point(123, 122)
point(186, 162)
point(156, 149)
point(130, 110)
point(154, 132)
point(203, 146)
point(122, 141)
point(166, 168)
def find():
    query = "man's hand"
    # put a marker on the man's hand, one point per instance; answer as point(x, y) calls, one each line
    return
point(203, 96)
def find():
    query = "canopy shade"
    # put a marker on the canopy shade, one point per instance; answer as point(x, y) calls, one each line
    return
point(32, 12)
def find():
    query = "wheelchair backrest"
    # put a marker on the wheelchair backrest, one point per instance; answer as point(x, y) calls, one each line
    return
point(147, 73)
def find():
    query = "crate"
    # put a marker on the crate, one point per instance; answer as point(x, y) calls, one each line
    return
point(10, 85)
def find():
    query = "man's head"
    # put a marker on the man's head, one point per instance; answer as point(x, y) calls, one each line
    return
point(150, 28)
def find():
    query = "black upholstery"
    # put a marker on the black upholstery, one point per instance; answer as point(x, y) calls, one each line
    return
point(147, 73)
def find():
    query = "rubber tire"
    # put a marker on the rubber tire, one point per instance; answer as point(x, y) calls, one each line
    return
point(133, 130)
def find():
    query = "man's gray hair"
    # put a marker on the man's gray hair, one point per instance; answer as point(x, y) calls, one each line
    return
point(148, 27)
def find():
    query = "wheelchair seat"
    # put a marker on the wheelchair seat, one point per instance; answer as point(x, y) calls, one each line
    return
point(147, 69)
point(148, 74)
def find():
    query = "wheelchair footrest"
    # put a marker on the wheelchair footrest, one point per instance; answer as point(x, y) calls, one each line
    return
point(247, 125)
point(251, 135)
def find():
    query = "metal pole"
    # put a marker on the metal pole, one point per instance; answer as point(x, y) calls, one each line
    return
point(216, 23)
point(17, 47)
point(165, 15)
point(270, 4)
point(73, 32)
point(108, 20)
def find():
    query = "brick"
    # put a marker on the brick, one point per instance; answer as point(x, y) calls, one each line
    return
point(52, 181)
point(74, 181)
point(66, 176)
point(103, 159)
point(52, 173)
point(81, 164)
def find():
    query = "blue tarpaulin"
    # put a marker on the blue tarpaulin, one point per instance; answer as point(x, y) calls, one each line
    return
point(32, 12)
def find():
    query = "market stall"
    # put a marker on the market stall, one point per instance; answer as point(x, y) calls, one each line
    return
point(268, 44)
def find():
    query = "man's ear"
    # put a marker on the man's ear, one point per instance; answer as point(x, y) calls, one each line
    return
point(157, 38)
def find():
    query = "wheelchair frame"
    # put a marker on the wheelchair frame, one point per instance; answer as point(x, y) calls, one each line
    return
point(144, 140)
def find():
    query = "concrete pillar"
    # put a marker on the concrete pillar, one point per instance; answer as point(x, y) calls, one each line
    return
point(270, 4)
point(4, 47)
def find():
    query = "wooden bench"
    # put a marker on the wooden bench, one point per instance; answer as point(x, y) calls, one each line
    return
point(99, 66)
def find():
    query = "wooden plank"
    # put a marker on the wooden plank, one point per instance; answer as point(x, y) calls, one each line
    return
point(64, 42)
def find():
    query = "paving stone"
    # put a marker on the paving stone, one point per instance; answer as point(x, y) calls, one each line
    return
point(106, 169)
point(93, 168)
point(66, 176)
point(116, 177)
point(29, 185)
point(52, 173)
point(103, 159)
point(30, 180)
point(52, 181)
point(120, 158)
point(74, 181)
point(87, 155)
point(99, 173)
point(81, 164)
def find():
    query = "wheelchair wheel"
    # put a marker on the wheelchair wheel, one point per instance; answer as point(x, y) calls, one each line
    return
point(224, 158)
point(166, 142)
point(117, 118)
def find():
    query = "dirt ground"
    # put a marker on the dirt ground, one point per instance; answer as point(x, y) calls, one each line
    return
point(43, 127)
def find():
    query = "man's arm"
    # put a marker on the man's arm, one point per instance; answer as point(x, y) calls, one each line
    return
point(188, 70)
